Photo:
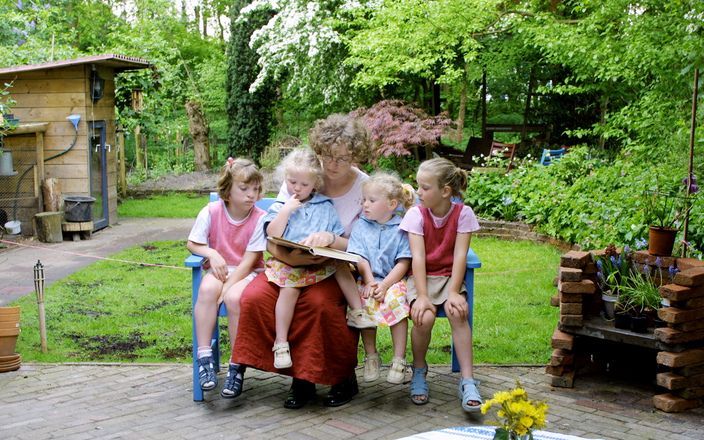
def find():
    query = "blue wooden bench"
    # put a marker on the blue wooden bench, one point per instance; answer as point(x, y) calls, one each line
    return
point(549, 156)
point(195, 262)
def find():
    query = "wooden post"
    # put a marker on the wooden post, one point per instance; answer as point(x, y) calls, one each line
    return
point(40, 165)
point(48, 227)
point(122, 176)
point(51, 190)
point(690, 168)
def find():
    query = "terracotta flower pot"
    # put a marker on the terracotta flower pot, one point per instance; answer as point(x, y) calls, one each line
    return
point(9, 311)
point(10, 318)
point(661, 241)
point(8, 340)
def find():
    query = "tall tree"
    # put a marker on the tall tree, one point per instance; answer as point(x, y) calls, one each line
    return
point(419, 41)
point(302, 47)
point(249, 112)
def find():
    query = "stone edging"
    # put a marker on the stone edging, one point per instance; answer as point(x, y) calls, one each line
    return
point(518, 231)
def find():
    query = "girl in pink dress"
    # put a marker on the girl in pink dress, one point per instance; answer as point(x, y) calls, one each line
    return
point(229, 234)
point(439, 232)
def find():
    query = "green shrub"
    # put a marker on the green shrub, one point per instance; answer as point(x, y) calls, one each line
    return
point(580, 199)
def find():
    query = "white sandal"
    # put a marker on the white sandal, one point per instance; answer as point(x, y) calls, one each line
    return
point(282, 355)
point(397, 371)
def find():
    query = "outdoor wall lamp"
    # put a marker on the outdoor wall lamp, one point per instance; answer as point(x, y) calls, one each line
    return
point(97, 85)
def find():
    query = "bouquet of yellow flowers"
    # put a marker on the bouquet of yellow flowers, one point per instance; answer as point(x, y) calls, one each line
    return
point(517, 416)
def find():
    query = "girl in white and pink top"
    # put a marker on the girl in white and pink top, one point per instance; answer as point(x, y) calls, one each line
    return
point(439, 232)
point(229, 233)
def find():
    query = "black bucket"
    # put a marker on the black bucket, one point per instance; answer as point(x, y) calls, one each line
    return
point(78, 208)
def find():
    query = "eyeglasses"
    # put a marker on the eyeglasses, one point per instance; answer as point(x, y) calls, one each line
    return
point(338, 160)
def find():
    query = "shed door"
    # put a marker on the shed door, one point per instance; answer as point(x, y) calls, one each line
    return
point(99, 173)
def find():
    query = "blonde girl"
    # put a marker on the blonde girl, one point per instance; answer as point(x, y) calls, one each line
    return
point(439, 232)
point(229, 234)
point(386, 257)
point(305, 213)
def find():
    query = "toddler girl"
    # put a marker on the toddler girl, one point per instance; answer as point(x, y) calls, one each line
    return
point(439, 232)
point(229, 234)
point(304, 213)
point(386, 255)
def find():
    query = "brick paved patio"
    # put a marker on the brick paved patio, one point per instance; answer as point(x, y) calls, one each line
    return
point(86, 401)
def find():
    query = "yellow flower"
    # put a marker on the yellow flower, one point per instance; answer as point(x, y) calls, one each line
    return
point(502, 396)
point(515, 412)
point(518, 392)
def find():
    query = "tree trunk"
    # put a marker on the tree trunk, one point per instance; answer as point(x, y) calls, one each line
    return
point(436, 98)
point(484, 93)
point(198, 127)
point(602, 119)
point(51, 192)
point(204, 16)
point(526, 112)
point(48, 226)
point(138, 147)
point(222, 28)
point(461, 113)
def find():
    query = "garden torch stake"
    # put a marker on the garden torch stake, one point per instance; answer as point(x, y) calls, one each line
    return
point(39, 288)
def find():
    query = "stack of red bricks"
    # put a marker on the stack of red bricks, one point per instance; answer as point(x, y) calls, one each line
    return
point(575, 292)
point(684, 375)
point(577, 298)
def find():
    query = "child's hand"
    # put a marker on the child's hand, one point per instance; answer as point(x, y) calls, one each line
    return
point(380, 291)
point(457, 305)
point(420, 306)
point(292, 204)
point(218, 267)
point(369, 289)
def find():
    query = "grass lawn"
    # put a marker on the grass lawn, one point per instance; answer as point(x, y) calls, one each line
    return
point(172, 205)
point(114, 311)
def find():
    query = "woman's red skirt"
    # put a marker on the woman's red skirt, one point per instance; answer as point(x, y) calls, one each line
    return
point(323, 348)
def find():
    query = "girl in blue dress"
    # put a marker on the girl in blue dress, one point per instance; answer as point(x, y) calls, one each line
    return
point(386, 257)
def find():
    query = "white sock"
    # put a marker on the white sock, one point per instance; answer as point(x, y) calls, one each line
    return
point(204, 351)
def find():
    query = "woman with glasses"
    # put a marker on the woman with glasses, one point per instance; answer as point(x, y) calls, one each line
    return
point(323, 347)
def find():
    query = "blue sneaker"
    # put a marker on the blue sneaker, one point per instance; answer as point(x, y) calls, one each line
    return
point(206, 373)
point(234, 382)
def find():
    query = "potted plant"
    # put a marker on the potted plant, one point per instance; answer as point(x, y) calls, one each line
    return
point(612, 271)
point(665, 209)
point(640, 298)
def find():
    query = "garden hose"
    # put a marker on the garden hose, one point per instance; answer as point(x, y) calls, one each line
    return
point(19, 181)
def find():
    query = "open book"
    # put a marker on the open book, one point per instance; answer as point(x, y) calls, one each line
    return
point(318, 251)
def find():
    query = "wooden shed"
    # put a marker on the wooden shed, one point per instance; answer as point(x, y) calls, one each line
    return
point(50, 98)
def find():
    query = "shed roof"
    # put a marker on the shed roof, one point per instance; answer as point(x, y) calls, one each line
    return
point(118, 62)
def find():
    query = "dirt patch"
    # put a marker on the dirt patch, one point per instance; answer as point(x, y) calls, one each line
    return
point(179, 350)
point(122, 347)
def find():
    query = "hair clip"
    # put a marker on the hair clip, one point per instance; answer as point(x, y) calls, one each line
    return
point(230, 162)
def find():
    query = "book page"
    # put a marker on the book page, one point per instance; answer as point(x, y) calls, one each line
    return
point(318, 251)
